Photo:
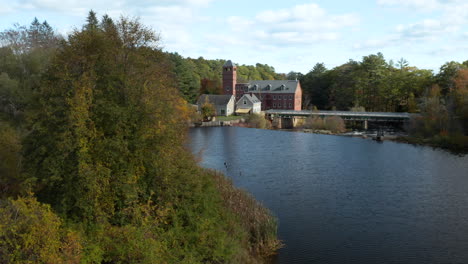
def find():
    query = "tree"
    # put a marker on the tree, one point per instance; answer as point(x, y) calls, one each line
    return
point(446, 76)
point(293, 75)
point(316, 86)
point(208, 110)
point(188, 82)
point(31, 233)
point(106, 112)
point(25, 54)
point(402, 64)
point(92, 21)
point(10, 162)
point(461, 99)
point(343, 88)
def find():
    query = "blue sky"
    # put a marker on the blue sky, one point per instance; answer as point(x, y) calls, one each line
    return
point(289, 35)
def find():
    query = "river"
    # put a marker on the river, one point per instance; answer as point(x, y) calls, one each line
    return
point(348, 200)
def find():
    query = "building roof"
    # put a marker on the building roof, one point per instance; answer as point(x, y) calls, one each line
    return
point(215, 99)
point(273, 86)
point(252, 98)
point(229, 63)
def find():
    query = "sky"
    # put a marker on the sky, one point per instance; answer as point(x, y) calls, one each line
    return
point(290, 35)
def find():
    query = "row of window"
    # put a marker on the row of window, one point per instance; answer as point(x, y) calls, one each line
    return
point(279, 105)
point(285, 97)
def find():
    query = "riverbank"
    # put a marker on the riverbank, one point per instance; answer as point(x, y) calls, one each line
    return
point(453, 145)
point(218, 122)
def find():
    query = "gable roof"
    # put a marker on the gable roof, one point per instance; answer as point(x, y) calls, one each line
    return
point(273, 86)
point(215, 99)
point(252, 98)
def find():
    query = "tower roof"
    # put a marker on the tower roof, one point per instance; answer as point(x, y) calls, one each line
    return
point(229, 64)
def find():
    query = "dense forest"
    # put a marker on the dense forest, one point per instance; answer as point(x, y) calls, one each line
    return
point(93, 167)
point(373, 84)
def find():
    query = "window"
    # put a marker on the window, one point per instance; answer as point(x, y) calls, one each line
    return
point(279, 105)
point(290, 105)
point(274, 97)
point(223, 112)
point(290, 97)
point(279, 97)
point(245, 101)
point(228, 88)
point(274, 104)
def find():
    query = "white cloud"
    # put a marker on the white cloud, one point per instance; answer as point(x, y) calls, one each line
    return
point(426, 29)
point(422, 5)
point(78, 8)
point(300, 24)
point(448, 19)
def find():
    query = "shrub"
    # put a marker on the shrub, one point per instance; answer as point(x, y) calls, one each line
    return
point(314, 122)
point(256, 220)
point(335, 124)
point(258, 121)
point(208, 111)
point(31, 233)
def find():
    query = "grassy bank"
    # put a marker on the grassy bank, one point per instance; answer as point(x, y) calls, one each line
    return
point(456, 145)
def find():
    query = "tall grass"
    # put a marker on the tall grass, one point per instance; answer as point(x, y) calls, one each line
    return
point(334, 124)
point(260, 224)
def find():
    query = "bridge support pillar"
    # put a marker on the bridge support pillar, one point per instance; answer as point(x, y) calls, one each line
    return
point(365, 125)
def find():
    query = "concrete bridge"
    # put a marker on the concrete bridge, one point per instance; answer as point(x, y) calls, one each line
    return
point(290, 118)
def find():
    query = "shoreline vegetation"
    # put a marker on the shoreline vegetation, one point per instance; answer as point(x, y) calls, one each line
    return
point(93, 167)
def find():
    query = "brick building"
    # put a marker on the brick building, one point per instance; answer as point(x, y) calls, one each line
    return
point(274, 94)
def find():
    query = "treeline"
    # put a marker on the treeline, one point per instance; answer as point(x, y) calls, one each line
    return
point(93, 167)
point(200, 76)
point(374, 84)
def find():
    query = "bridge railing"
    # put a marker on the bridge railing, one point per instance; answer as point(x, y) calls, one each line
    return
point(347, 115)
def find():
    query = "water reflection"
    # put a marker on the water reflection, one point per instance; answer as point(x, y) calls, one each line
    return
point(348, 200)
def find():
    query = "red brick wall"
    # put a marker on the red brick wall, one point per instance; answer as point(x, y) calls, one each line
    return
point(268, 99)
point(229, 80)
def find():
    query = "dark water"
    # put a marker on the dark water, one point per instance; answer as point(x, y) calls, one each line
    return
point(348, 200)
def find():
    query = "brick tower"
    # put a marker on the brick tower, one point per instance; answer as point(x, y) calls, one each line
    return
point(229, 78)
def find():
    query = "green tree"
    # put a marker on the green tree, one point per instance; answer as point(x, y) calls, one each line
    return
point(25, 55)
point(98, 111)
point(316, 85)
point(188, 82)
point(10, 162)
point(207, 110)
point(446, 76)
point(31, 233)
